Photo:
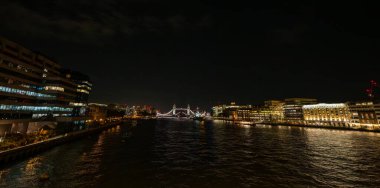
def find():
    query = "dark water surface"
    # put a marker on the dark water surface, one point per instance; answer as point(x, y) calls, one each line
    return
point(150, 153)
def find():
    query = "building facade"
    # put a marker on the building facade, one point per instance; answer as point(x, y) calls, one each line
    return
point(257, 114)
point(303, 111)
point(83, 90)
point(293, 112)
point(32, 88)
point(365, 114)
point(97, 111)
point(276, 110)
point(242, 112)
point(327, 114)
point(230, 111)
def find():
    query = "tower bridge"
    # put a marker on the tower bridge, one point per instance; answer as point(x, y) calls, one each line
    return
point(181, 113)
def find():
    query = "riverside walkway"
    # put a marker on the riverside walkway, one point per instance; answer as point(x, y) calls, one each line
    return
point(34, 148)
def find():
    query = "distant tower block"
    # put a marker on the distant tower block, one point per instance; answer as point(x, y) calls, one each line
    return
point(188, 109)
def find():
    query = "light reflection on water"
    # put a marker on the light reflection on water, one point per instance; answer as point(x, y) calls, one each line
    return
point(205, 154)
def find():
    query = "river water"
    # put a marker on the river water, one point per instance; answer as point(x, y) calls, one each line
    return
point(152, 153)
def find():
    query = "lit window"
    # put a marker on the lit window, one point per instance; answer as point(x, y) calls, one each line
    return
point(77, 104)
point(83, 91)
point(54, 88)
point(34, 108)
point(23, 92)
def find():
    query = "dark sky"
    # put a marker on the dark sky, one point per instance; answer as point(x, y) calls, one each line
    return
point(203, 53)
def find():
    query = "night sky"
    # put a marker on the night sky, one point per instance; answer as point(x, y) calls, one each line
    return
point(204, 53)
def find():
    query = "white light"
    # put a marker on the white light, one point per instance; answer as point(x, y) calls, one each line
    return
point(83, 91)
point(54, 88)
point(77, 104)
point(323, 105)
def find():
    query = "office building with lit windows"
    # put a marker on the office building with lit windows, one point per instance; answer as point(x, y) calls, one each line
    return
point(33, 88)
point(83, 89)
point(337, 114)
point(275, 109)
point(242, 112)
point(229, 111)
point(305, 112)
point(365, 114)
point(255, 114)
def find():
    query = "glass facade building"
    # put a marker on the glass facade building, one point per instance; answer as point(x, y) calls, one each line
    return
point(293, 109)
point(83, 90)
point(33, 85)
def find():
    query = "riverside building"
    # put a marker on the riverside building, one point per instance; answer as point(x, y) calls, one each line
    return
point(97, 111)
point(242, 112)
point(83, 89)
point(33, 89)
point(275, 109)
point(293, 112)
point(365, 115)
point(302, 111)
point(327, 114)
point(257, 114)
point(230, 111)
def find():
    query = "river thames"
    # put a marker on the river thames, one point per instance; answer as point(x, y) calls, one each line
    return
point(158, 153)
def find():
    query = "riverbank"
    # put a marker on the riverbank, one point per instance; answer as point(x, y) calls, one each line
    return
point(323, 127)
point(34, 148)
point(351, 128)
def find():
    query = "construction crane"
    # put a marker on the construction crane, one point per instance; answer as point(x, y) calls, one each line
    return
point(371, 90)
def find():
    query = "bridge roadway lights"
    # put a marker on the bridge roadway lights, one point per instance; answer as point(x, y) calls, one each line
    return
point(176, 112)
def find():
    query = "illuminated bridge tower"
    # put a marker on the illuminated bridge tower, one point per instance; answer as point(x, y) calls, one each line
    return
point(188, 110)
point(174, 109)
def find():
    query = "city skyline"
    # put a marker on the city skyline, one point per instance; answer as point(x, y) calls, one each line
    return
point(191, 93)
point(200, 53)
